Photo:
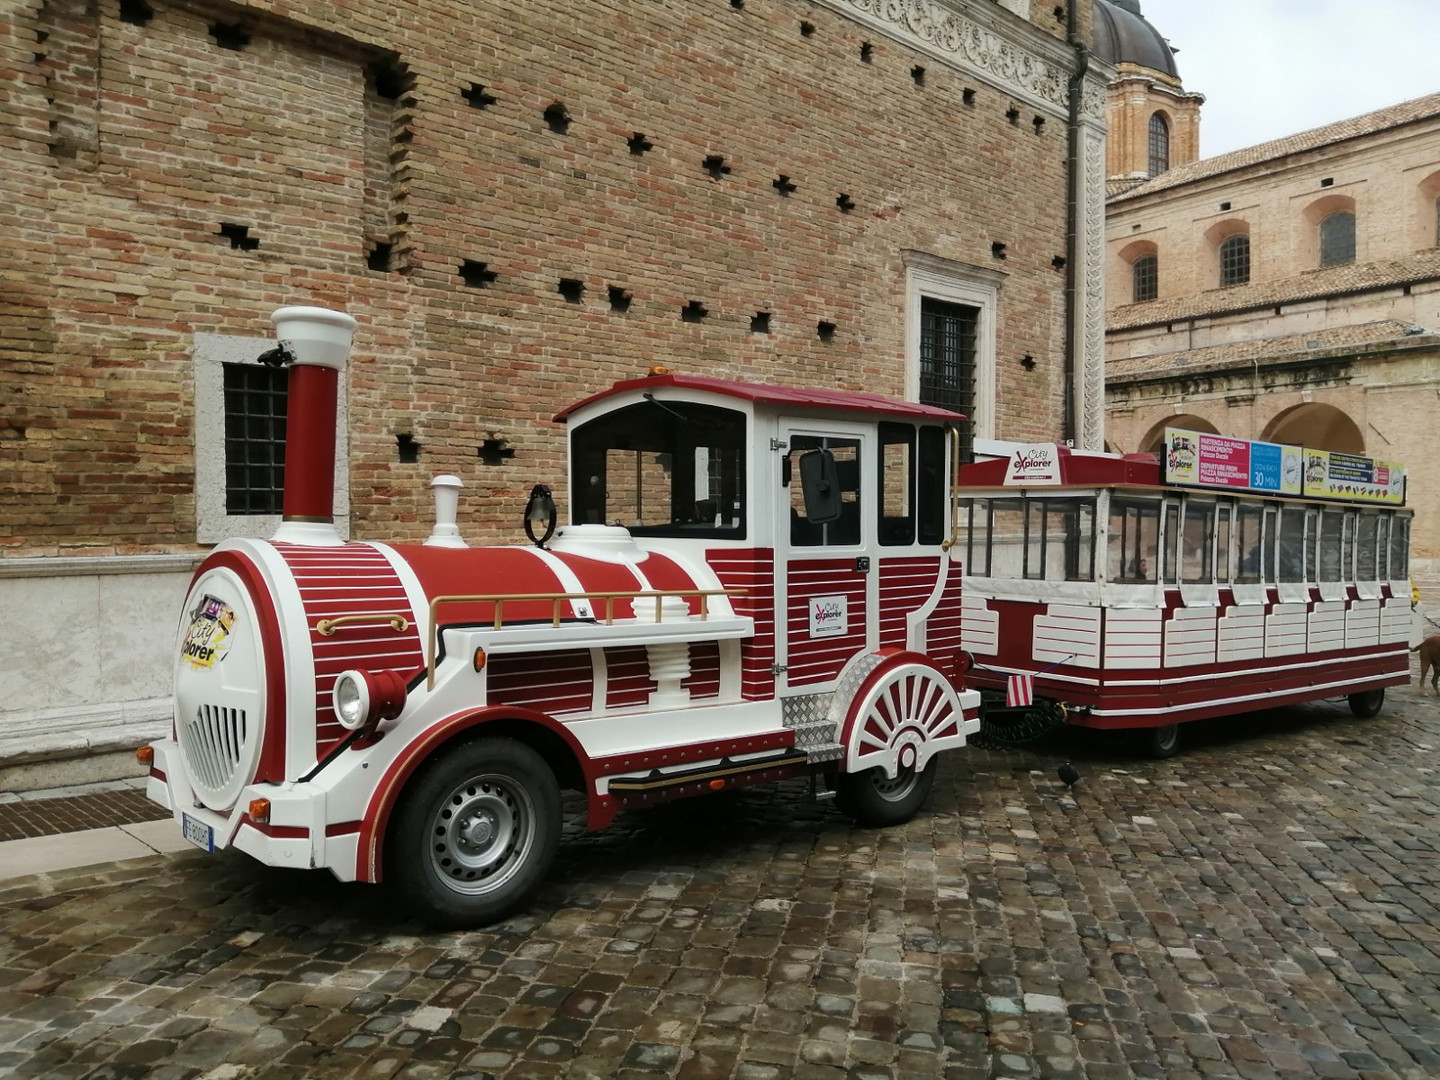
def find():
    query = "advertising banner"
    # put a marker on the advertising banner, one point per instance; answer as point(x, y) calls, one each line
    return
point(1330, 474)
point(1218, 461)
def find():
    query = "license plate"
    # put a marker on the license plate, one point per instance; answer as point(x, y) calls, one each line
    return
point(197, 832)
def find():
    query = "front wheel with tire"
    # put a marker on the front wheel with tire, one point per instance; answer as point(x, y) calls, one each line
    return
point(1159, 742)
point(1367, 703)
point(873, 799)
point(475, 833)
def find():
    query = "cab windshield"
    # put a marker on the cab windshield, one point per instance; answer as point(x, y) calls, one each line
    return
point(662, 468)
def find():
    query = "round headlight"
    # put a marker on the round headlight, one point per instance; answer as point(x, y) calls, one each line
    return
point(351, 699)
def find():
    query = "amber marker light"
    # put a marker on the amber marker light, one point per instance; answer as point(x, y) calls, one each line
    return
point(145, 756)
point(260, 811)
point(716, 785)
point(479, 661)
point(658, 369)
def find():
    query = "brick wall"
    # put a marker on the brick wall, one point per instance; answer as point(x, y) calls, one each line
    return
point(182, 168)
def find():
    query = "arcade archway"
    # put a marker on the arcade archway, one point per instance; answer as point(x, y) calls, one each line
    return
point(1320, 427)
point(1154, 440)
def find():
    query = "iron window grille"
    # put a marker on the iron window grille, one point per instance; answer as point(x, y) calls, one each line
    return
point(947, 362)
point(1159, 145)
point(1337, 239)
point(1235, 260)
point(255, 400)
point(1145, 278)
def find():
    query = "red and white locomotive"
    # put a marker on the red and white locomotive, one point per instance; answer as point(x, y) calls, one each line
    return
point(756, 584)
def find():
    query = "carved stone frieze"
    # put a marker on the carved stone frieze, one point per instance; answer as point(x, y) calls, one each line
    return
point(938, 27)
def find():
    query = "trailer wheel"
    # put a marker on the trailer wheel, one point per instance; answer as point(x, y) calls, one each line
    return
point(1367, 703)
point(872, 799)
point(1159, 742)
point(475, 833)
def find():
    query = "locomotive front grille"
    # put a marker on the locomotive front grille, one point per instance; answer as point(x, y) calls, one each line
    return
point(214, 747)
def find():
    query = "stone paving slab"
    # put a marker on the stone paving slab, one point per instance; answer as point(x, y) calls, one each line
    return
point(1262, 906)
point(95, 806)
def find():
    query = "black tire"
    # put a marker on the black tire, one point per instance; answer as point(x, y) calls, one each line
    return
point(475, 833)
point(1367, 703)
point(872, 800)
point(1159, 742)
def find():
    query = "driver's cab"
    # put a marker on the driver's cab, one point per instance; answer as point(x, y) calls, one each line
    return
point(826, 511)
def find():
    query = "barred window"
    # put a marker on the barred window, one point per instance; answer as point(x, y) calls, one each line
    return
point(1337, 239)
point(1235, 260)
point(947, 362)
point(1159, 144)
point(255, 398)
point(1145, 277)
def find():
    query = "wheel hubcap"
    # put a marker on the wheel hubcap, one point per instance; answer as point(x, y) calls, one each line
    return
point(895, 790)
point(481, 834)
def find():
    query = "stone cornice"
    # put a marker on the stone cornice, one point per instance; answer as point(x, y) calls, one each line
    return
point(938, 27)
point(46, 566)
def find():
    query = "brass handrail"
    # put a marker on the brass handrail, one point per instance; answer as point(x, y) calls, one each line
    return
point(954, 491)
point(556, 599)
point(326, 627)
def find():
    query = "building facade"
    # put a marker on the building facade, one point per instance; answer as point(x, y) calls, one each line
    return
point(1288, 291)
point(520, 203)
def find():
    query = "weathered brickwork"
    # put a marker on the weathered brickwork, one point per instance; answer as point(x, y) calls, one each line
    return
point(181, 168)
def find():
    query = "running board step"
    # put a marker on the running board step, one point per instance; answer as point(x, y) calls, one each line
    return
point(655, 780)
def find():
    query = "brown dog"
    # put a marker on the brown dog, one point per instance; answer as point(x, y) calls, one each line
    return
point(1429, 650)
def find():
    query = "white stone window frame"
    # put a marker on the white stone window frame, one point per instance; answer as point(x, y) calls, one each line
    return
point(937, 278)
point(213, 524)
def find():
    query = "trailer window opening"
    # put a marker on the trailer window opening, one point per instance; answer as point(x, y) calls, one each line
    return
point(975, 518)
point(1223, 515)
point(1271, 543)
point(1133, 540)
point(1399, 547)
point(1248, 540)
point(1367, 548)
point(662, 471)
point(1197, 543)
point(1170, 572)
point(1007, 538)
point(1331, 546)
point(1290, 548)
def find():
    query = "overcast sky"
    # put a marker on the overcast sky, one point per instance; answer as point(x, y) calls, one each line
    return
point(1270, 68)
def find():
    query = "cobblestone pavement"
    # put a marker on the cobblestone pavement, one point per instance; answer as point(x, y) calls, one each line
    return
point(1261, 906)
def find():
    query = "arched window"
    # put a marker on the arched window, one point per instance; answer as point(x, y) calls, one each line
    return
point(1159, 144)
point(1145, 278)
point(1337, 239)
point(1235, 260)
point(1437, 220)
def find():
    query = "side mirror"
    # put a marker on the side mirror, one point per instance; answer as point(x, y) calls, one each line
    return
point(820, 483)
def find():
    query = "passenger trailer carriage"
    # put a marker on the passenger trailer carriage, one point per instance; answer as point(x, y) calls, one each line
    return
point(756, 584)
point(1125, 592)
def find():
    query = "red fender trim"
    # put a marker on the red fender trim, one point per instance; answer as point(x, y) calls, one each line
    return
point(369, 861)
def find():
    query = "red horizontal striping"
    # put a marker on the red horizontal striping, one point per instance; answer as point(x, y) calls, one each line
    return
point(814, 660)
point(354, 579)
point(628, 680)
point(704, 680)
point(754, 572)
point(942, 629)
point(552, 682)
